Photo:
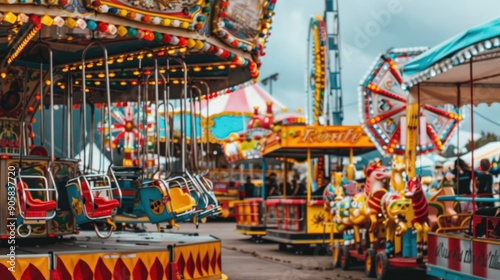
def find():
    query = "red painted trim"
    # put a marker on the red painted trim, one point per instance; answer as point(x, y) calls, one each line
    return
point(480, 259)
point(432, 243)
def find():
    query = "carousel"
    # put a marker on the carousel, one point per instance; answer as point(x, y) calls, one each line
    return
point(462, 71)
point(391, 231)
point(64, 68)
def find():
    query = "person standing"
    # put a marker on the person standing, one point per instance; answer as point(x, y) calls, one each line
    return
point(273, 186)
point(463, 177)
point(485, 183)
point(297, 188)
point(249, 187)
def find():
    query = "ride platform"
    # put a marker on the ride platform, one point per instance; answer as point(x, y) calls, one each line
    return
point(159, 256)
point(296, 238)
point(251, 230)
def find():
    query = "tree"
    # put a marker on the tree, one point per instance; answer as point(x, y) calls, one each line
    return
point(486, 137)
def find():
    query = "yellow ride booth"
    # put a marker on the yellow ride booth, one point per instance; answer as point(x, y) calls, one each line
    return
point(303, 220)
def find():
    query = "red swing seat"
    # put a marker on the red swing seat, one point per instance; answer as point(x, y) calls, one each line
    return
point(102, 206)
point(35, 208)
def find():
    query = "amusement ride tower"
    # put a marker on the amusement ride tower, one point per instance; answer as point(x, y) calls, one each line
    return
point(324, 84)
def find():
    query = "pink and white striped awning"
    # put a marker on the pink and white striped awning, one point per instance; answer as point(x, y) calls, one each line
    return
point(241, 101)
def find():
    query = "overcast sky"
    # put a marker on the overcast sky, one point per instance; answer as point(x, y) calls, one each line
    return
point(401, 23)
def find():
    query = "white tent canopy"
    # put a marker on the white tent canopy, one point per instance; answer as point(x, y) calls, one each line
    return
point(489, 151)
point(428, 160)
point(99, 161)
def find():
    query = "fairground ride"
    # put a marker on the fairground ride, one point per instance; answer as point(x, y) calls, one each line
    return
point(81, 54)
point(462, 70)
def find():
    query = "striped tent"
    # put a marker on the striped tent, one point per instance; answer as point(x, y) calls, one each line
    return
point(227, 113)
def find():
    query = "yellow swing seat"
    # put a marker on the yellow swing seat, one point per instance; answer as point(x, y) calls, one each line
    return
point(180, 201)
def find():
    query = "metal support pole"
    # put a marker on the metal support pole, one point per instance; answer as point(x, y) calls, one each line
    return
point(308, 160)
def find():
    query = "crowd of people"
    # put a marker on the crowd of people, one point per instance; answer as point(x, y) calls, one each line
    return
point(460, 178)
point(293, 188)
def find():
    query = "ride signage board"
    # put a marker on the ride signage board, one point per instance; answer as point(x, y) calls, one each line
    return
point(324, 137)
point(292, 141)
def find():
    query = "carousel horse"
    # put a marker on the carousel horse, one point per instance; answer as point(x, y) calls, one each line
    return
point(332, 195)
point(376, 175)
point(398, 215)
point(398, 167)
point(352, 212)
point(421, 211)
point(334, 192)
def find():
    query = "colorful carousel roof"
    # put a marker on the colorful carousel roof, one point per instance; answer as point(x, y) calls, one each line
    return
point(229, 112)
point(220, 41)
point(443, 73)
point(240, 101)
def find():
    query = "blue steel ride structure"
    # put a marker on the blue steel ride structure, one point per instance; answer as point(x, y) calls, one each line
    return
point(331, 18)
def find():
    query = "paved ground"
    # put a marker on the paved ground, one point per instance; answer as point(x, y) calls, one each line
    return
point(243, 259)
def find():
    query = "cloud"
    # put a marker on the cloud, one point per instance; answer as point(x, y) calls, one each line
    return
point(368, 28)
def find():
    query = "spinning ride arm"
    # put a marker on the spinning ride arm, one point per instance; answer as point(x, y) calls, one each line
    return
point(36, 211)
point(107, 186)
point(207, 124)
point(166, 122)
point(183, 101)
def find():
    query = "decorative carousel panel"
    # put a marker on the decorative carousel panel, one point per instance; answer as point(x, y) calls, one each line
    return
point(245, 23)
point(245, 146)
point(184, 14)
point(383, 108)
point(71, 6)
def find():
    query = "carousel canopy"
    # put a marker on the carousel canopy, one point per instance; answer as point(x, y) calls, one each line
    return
point(221, 43)
point(444, 73)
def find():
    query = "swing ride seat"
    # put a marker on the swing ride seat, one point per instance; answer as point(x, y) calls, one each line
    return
point(181, 201)
point(102, 207)
point(33, 208)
